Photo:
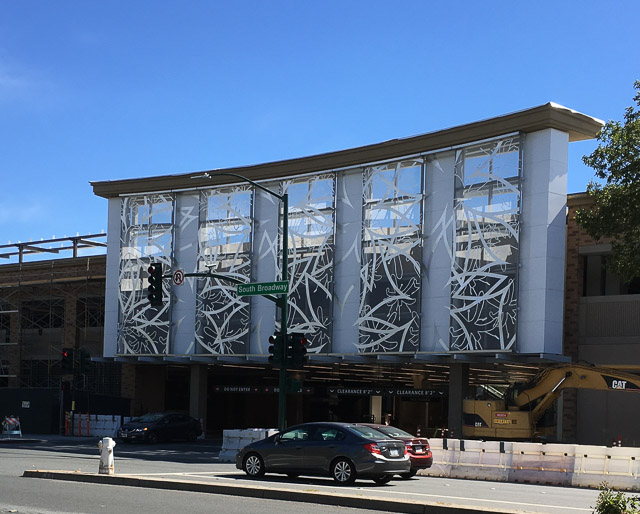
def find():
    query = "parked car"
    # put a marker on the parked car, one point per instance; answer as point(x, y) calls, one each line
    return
point(344, 451)
point(417, 448)
point(161, 426)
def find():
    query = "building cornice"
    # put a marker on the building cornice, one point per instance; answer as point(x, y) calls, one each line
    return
point(577, 125)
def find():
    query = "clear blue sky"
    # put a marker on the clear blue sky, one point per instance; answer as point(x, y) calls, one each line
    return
point(102, 90)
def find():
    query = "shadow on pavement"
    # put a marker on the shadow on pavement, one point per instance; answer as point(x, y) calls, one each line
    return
point(204, 451)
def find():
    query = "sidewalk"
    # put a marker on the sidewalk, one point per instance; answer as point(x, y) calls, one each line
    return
point(45, 438)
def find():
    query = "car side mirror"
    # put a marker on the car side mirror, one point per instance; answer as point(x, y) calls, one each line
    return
point(277, 438)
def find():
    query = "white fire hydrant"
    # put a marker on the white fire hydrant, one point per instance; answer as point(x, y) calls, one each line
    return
point(106, 456)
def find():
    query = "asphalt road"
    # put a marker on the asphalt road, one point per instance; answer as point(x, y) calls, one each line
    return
point(198, 462)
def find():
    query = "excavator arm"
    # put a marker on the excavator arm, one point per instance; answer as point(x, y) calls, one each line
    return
point(544, 389)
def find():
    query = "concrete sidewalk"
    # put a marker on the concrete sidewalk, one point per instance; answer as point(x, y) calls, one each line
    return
point(361, 501)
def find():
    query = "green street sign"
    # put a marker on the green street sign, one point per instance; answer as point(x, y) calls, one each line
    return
point(262, 288)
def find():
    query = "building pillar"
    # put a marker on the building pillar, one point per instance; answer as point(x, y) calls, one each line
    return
point(458, 388)
point(375, 408)
point(198, 393)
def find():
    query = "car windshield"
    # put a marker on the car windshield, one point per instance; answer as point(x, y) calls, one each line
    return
point(393, 431)
point(148, 418)
point(368, 432)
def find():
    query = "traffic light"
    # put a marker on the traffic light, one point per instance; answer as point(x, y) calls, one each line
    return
point(275, 349)
point(154, 289)
point(296, 350)
point(66, 360)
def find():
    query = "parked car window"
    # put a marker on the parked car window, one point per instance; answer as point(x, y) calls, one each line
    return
point(329, 434)
point(394, 432)
point(298, 434)
point(369, 432)
point(148, 418)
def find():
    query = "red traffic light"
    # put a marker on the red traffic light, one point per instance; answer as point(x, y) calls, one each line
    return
point(65, 353)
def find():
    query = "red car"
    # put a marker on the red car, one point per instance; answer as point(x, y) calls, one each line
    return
point(417, 447)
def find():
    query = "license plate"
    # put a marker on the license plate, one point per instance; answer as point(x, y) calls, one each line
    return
point(418, 449)
point(393, 453)
point(124, 435)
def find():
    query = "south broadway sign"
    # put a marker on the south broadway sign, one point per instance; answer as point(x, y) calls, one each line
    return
point(262, 288)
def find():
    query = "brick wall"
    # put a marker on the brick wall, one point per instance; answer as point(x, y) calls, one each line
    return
point(574, 271)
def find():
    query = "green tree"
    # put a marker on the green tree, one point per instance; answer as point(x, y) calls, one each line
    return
point(615, 212)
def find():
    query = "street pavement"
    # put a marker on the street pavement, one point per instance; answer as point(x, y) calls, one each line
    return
point(195, 467)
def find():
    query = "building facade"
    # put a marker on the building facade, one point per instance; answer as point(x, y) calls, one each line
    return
point(51, 327)
point(602, 327)
point(431, 263)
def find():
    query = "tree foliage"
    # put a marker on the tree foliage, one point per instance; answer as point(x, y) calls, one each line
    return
point(615, 502)
point(615, 212)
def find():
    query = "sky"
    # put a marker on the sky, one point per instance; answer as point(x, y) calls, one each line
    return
point(103, 90)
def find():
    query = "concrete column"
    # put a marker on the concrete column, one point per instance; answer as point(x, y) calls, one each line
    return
point(436, 256)
point(265, 266)
point(375, 408)
point(348, 243)
point(542, 242)
point(458, 387)
point(112, 278)
point(198, 393)
point(185, 257)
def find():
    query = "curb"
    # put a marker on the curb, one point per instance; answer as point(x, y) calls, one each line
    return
point(316, 497)
point(21, 441)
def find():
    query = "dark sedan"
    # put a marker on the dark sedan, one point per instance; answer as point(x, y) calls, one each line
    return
point(417, 447)
point(155, 427)
point(343, 451)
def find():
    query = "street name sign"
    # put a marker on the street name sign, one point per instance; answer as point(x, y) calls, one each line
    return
point(262, 288)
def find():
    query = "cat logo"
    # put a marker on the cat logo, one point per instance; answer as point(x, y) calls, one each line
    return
point(618, 384)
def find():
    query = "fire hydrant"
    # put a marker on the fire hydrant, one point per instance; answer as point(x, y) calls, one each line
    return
point(106, 456)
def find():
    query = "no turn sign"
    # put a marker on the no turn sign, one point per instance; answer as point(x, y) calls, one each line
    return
point(178, 277)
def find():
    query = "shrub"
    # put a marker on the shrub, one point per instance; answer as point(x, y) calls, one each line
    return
point(615, 502)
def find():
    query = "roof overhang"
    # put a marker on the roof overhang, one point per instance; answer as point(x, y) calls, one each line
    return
point(579, 127)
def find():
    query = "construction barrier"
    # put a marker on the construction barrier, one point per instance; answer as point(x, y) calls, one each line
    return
point(90, 425)
point(11, 426)
point(234, 440)
point(536, 463)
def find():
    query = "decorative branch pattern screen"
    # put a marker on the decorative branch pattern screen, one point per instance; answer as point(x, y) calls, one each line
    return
point(222, 317)
point(484, 268)
point(311, 258)
point(146, 236)
point(389, 313)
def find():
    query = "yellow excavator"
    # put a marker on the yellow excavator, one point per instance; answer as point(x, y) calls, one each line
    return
point(518, 415)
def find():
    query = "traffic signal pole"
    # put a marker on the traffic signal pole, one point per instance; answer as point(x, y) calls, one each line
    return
point(283, 301)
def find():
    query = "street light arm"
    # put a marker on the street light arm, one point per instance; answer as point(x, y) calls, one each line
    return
point(245, 179)
point(282, 302)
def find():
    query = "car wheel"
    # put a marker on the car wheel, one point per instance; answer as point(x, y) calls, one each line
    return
point(253, 465)
point(382, 479)
point(343, 471)
point(152, 438)
point(407, 476)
